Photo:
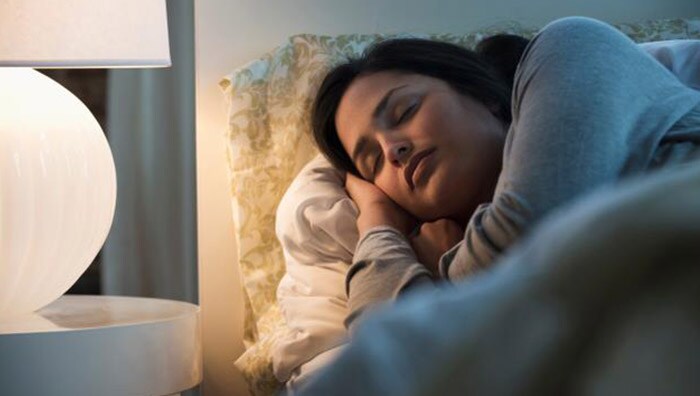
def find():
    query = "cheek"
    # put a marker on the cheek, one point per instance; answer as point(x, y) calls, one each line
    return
point(452, 188)
point(445, 130)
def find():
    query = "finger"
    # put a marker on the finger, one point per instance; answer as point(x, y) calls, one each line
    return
point(351, 180)
point(361, 189)
point(352, 185)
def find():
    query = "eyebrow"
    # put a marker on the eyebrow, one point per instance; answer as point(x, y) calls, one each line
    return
point(377, 113)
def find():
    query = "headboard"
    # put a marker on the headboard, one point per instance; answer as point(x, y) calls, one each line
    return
point(229, 34)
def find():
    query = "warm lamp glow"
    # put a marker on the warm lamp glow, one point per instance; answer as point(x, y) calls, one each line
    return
point(59, 190)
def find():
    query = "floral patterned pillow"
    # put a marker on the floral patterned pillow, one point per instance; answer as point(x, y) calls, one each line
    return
point(269, 141)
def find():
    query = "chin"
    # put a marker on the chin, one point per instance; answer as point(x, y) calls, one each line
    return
point(444, 196)
point(436, 207)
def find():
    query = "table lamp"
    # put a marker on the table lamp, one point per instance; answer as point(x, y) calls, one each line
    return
point(57, 175)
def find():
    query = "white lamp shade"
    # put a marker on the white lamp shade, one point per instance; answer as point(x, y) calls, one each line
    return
point(57, 190)
point(84, 33)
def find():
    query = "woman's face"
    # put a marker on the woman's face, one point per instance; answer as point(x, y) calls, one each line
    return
point(433, 151)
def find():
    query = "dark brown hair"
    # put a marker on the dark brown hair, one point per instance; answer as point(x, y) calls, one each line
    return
point(503, 52)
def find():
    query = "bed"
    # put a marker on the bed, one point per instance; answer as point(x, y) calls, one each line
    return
point(268, 143)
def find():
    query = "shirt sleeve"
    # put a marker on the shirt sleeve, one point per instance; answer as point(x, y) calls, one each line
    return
point(384, 266)
point(581, 120)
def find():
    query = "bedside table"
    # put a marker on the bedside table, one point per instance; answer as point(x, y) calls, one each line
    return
point(102, 345)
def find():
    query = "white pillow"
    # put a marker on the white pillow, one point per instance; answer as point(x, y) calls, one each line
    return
point(316, 227)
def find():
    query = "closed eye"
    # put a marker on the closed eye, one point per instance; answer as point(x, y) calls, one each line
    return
point(410, 110)
point(377, 165)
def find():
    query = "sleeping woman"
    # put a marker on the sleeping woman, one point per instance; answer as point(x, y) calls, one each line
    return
point(451, 160)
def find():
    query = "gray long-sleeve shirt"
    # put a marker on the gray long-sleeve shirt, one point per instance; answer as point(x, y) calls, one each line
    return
point(589, 108)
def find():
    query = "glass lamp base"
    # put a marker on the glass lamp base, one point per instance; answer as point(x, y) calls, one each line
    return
point(58, 190)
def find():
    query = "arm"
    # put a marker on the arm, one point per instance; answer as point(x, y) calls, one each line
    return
point(589, 108)
point(384, 267)
point(384, 264)
point(391, 258)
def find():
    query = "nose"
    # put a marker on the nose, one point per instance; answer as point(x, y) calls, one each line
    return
point(397, 151)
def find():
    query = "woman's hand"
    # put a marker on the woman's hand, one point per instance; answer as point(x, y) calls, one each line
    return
point(376, 208)
point(433, 240)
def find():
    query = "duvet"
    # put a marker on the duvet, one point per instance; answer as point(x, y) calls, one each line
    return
point(601, 298)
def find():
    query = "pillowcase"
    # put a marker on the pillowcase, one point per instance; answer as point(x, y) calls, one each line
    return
point(316, 227)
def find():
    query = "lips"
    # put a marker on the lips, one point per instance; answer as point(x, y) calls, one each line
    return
point(413, 163)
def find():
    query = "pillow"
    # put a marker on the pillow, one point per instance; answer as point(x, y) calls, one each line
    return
point(316, 227)
point(269, 142)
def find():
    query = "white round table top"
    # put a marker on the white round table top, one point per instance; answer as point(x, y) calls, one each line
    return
point(80, 312)
point(102, 345)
